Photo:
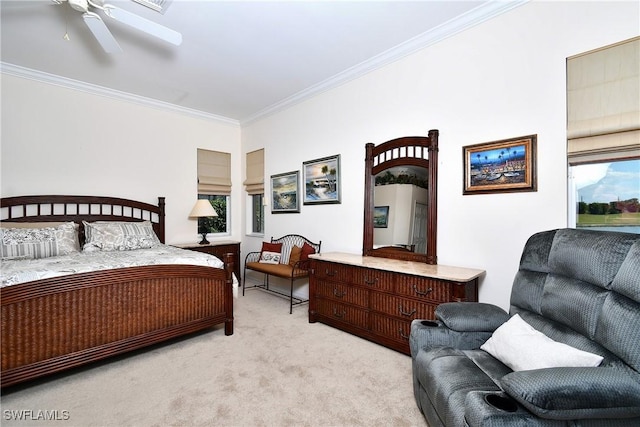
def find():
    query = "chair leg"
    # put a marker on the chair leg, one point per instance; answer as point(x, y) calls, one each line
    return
point(244, 280)
point(291, 298)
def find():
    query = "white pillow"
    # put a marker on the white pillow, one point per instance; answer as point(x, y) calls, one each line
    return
point(267, 257)
point(521, 347)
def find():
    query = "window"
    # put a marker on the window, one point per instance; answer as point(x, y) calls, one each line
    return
point(254, 184)
point(214, 184)
point(603, 132)
point(606, 195)
point(257, 214)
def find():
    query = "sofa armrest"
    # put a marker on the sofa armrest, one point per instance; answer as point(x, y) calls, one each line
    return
point(471, 316)
point(252, 257)
point(428, 334)
point(575, 393)
point(460, 325)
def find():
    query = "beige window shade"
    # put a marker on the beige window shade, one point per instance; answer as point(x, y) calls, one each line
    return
point(214, 173)
point(255, 172)
point(603, 103)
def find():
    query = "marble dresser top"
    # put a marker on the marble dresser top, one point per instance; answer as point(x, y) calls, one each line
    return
point(437, 271)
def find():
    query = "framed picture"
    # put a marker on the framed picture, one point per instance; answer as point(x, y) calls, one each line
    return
point(321, 178)
point(380, 216)
point(504, 166)
point(285, 188)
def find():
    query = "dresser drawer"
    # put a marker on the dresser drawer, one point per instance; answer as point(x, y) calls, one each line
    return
point(405, 308)
point(391, 328)
point(341, 312)
point(423, 288)
point(345, 293)
point(344, 273)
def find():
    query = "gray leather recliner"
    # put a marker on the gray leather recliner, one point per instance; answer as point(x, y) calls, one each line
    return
point(579, 287)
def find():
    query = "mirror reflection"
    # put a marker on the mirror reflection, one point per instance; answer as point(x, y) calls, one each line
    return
point(400, 209)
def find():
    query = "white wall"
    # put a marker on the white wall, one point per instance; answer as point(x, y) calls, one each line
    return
point(501, 79)
point(57, 140)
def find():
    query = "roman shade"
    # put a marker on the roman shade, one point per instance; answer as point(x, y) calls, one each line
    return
point(255, 172)
point(603, 103)
point(214, 172)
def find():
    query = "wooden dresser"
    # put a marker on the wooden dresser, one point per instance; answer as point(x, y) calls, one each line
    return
point(377, 298)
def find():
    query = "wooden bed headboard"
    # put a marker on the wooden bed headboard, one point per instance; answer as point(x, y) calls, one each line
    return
point(82, 208)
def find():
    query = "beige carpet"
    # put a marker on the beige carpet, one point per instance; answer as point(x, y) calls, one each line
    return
point(276, 370)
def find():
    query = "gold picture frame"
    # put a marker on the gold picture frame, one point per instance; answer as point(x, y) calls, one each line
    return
point(504, 166)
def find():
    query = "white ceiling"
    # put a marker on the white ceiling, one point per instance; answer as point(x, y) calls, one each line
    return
point(239, 60)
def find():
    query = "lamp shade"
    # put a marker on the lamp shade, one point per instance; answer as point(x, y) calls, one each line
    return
point(202, 208)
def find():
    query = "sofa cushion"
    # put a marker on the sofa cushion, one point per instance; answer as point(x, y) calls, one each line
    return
point(279, 270)
point(267, 257)
point(271, 247)
point(521, 347)
point(575, 393)
point(589, 256)
point(626, 281)
point(294, 256)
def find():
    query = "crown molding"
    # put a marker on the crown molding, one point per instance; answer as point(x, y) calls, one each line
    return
point(456, 25)
point(41, 76)
point(482, 13)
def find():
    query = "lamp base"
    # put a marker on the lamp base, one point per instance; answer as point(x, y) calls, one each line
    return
point(204, 240)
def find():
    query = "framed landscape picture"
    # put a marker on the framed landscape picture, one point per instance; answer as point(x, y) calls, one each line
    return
point(285, 190)
point(321, 178)
point(380, 216)
point(504, 166)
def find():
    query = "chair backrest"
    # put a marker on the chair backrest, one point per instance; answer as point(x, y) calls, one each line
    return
point(291, 240)
point(582, 287)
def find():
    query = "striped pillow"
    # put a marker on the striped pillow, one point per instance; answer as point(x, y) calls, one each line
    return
point(29, 243)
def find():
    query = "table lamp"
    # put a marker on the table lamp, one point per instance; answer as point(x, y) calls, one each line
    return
point(203, 209)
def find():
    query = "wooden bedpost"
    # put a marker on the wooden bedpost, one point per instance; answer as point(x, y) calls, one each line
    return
point(228, 260)
point(161, 218)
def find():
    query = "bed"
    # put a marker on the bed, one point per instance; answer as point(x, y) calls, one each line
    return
point(76, 317)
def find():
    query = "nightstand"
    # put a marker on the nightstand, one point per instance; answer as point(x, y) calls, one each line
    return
point(218, 248)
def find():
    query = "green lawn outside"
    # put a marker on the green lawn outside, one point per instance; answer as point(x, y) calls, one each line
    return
point(610, 219)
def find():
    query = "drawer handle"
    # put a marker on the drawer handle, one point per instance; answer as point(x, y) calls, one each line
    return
point(330, 273)
point(406, 313)
point(402, 334)
point(337, 293)
point(370, 282)
point(336, 314)
point(427, 292)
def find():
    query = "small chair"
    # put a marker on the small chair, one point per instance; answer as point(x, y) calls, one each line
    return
point(285, 268)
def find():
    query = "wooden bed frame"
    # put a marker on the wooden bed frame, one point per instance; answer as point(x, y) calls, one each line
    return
point(51, 325)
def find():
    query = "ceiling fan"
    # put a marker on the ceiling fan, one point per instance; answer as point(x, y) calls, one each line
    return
point(102, 33)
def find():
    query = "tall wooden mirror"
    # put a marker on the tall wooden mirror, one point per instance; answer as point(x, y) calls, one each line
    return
point(400, 199)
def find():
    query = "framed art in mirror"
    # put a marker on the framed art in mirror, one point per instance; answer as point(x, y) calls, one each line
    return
point(504, 166)
point(381, 217)
point(321, 178)
point(285, 190)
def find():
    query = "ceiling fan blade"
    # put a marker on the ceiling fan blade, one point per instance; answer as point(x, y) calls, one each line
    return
point(101, 32)
point(143, 24)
